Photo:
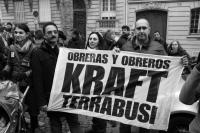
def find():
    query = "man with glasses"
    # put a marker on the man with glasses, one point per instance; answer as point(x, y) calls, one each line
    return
point(141, 43)
point(43, 64)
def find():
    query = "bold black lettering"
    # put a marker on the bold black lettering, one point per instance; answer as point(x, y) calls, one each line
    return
point(116, 73)
point(95, 102)
point(106, 106)
point(145, 63)
point(73, 103)
point(133, 82)
point(144, 117)
point(131, 61)
point(154, 84)
point(92, 57)
point(124, 60)
point(166, 64)
point(66, 99)
point(151, 63)
point(131, 115)
point(76, 56)
point(98, 58)
point(105, 58)
point(138, 62)
point(72, 77)
point(153, 114)
point(83, 103)
point(82, 57)
point(87, 57)
point(118, 109)
point(70, 56)
point(159, 63)
point(90, 77)
point(114, 58)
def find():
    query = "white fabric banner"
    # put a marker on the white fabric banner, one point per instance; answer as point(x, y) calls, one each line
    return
point(131, 88)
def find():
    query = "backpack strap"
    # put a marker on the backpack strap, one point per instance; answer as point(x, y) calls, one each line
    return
point(12, 47)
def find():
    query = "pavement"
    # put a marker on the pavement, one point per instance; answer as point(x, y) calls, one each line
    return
point(85, 121)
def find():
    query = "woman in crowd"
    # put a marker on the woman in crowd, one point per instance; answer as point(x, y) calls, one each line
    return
point(109, 37)
point(175, 49)
point(18, 66)
point(96, 42)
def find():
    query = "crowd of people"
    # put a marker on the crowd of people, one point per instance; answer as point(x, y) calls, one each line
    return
point(29, 59)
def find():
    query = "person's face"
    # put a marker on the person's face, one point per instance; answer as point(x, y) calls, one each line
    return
point(93, 41)
point(125, 31)
point(51, 34)
point(142, 30)
point(112, 36)
point(174, 47)
point(157, 35)
point(19, 34)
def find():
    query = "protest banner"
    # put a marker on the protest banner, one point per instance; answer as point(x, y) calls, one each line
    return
point(131, 88)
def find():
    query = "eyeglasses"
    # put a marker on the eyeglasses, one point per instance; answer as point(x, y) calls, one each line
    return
point(20, 32)
point(141, 27)
point(51, 32)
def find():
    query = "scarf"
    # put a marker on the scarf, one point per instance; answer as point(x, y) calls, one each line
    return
point(23, 48)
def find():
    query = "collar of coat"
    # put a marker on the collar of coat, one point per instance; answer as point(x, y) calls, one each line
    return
point(46, 47)
point(144, 46)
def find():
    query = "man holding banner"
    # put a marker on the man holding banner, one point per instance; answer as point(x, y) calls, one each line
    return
point(43, 67)
point(141, 43)
point(129, 87)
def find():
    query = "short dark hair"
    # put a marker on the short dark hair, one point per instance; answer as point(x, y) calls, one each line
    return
point(39, 34)
point(47, 24)
point(126, 27)
point(9, 23)
point(23, 27)
point(61, 35)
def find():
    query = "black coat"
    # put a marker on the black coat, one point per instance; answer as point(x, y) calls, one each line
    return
point(43, 63)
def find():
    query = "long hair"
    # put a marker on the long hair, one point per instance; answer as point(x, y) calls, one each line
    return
point(101, 44)
point(180, 51)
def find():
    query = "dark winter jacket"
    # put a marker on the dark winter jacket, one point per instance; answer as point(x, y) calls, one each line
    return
point(76, 43)
point(43, 63)
point(152, 47)
point(122, 40)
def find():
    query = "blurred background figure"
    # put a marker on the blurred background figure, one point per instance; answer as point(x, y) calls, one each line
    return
point(62, 39)
point(157, 37)
point(39, 37)
point(76, 41)
point(109, 37)
point(8, 33)
point(124, 37)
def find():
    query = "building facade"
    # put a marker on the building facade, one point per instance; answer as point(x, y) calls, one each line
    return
point(174, 19)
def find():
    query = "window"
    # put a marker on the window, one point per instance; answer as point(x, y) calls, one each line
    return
point(112, 5)
point(19, 12)
point(109, 5)
point(108, 14)
point(44, 11)
point(105, 5)
point(195, 21)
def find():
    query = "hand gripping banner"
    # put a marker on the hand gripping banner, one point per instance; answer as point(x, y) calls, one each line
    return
point(127, 87)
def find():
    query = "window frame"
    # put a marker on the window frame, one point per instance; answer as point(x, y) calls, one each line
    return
point(193, 23)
